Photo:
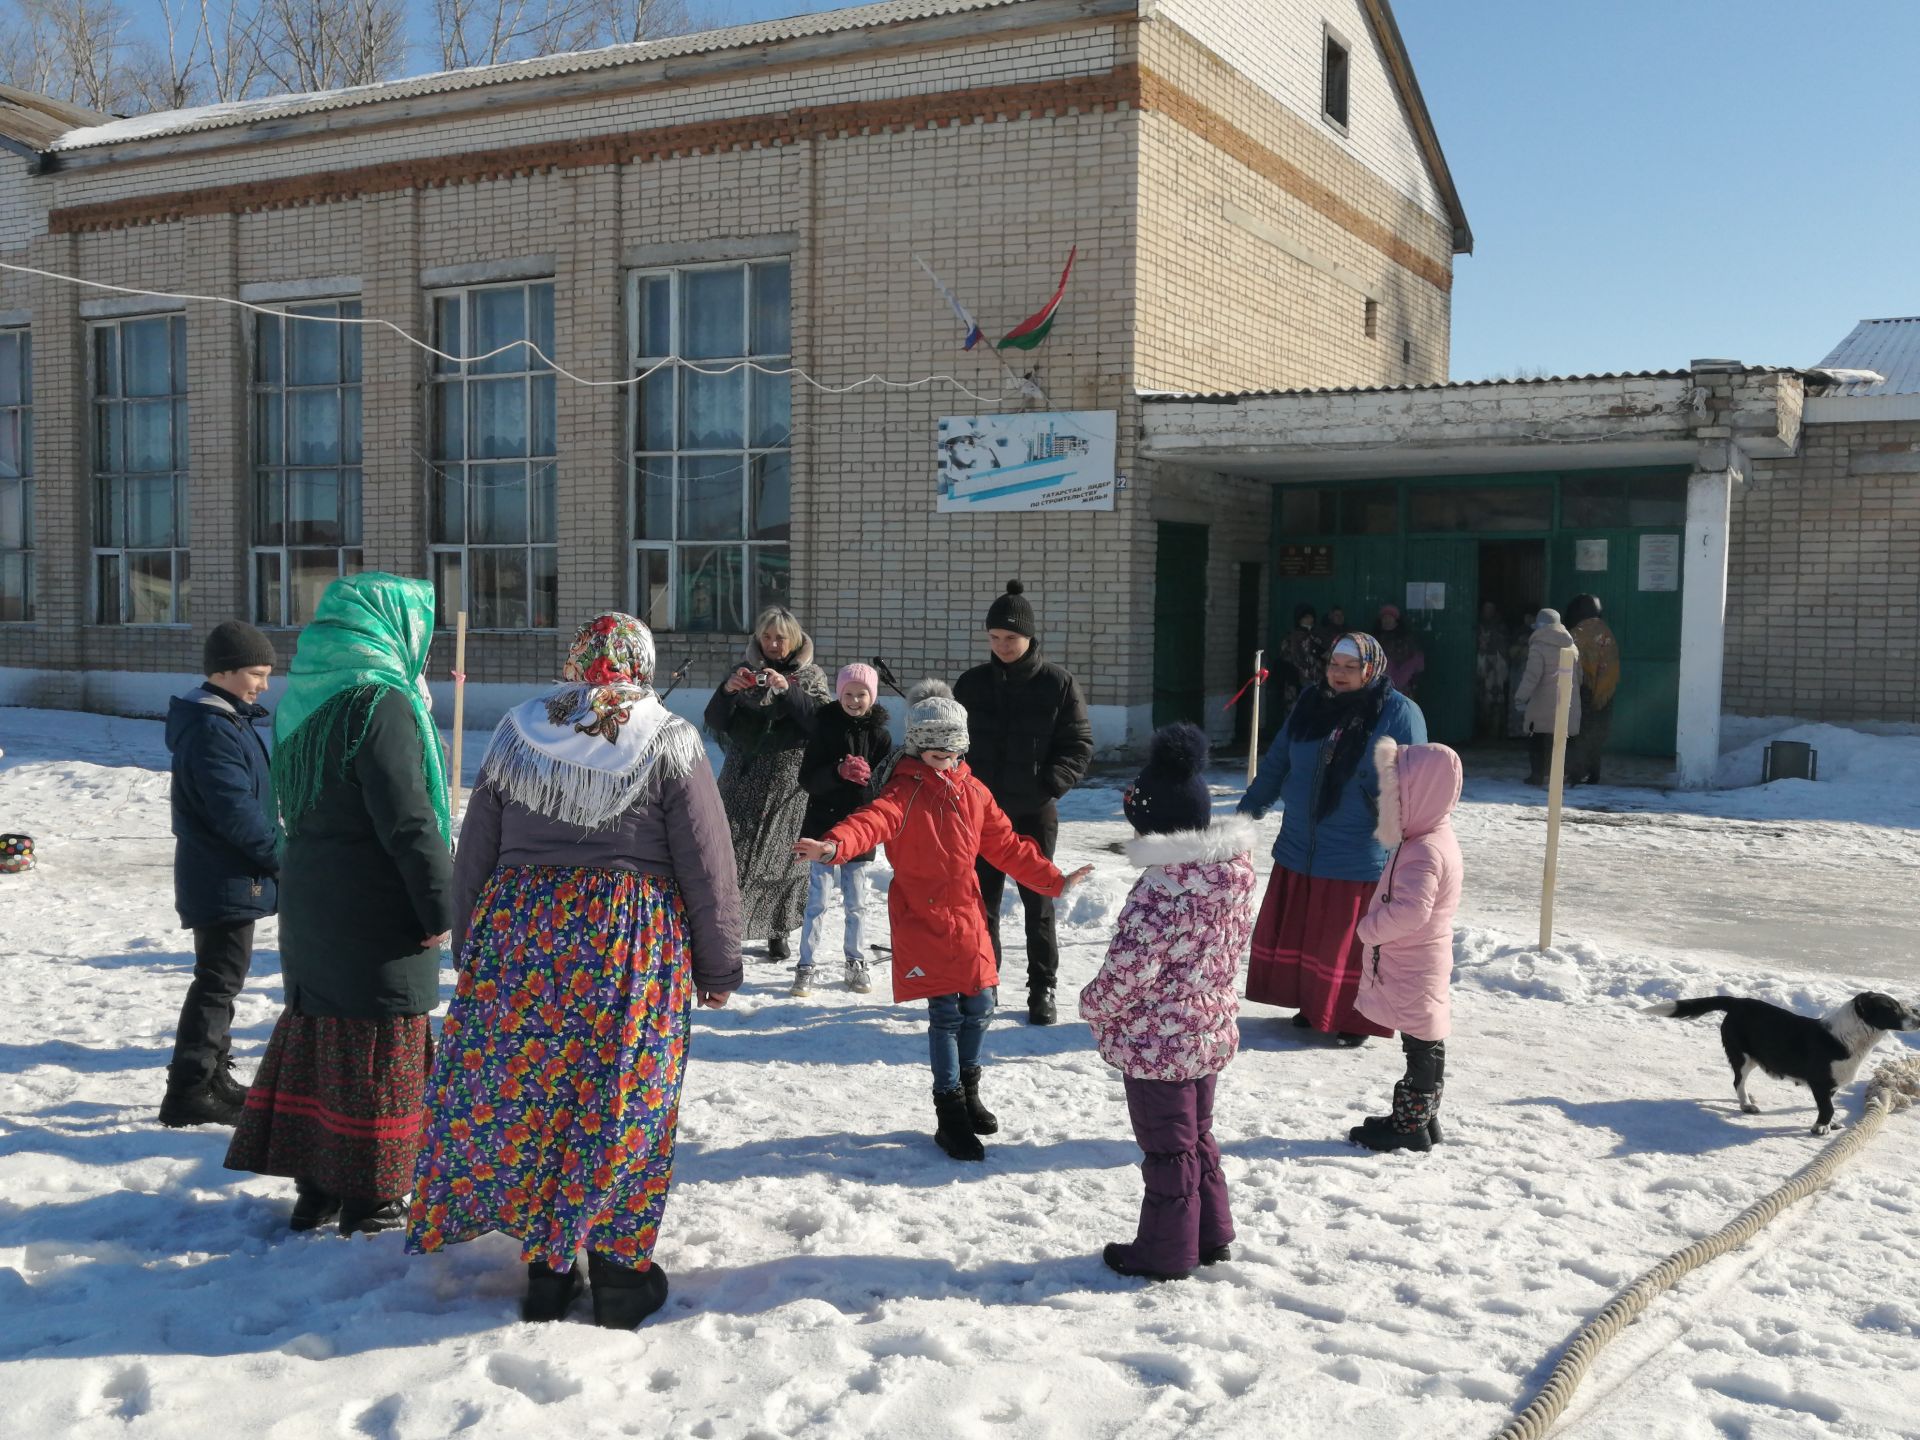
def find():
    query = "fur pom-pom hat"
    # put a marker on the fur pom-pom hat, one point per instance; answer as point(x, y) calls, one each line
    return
point(1170, 795)
point(935, 720)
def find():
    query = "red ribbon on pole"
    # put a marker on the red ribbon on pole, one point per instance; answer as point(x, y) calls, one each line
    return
point(1259, 678)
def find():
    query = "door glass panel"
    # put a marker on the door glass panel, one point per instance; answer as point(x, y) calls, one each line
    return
point(1371, 511)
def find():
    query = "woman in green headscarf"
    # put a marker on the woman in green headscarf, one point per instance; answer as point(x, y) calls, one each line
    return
point(366, 879)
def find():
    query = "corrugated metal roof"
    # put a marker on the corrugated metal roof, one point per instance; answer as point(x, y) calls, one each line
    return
point(1225, 397)
point(280, 107)
point(1889, 347)
point(36, 121)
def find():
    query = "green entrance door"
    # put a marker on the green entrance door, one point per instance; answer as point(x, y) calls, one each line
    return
point(1637, 575)
point(1442, 597)
point(1180, 624)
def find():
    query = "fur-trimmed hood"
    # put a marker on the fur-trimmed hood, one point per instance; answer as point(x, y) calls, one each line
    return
point(1221, 841)
point(1419, 787)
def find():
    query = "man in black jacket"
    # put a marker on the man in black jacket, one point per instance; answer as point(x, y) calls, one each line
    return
point(225, 862)
point(1031, 745)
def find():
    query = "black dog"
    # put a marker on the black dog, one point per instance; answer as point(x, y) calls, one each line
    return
point(1821, 1054)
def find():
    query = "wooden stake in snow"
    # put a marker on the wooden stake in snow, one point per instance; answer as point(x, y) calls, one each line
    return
point(459, 709)
point(1253, 731)
point(1556, 783)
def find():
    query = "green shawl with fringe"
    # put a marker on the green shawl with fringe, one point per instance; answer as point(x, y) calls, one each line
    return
point(370, 633)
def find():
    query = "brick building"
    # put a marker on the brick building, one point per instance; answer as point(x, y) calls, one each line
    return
point(1255, 190)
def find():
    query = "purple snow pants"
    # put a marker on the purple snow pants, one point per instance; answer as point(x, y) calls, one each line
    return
point(1185, 1212)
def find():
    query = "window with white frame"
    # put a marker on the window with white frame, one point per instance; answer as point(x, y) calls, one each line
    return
point(1336, 68)
point(16, 475)
point(711, 457)
point(491, 505)
point(306, 457)
point(141, 567)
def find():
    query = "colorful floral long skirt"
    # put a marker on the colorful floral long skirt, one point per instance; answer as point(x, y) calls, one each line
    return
point(340, 1103)
point(1305, 952)
point(557, 1093)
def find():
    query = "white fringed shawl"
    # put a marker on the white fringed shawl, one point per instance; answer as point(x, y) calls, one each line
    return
point(579, 778)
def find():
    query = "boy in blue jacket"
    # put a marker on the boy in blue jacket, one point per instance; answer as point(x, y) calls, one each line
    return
point(225, 862)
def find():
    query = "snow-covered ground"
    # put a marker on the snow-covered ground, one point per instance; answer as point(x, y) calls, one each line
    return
point(833, 1274)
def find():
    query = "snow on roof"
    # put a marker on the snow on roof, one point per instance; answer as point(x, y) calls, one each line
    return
point(241, 112)
point(1225, 397)
point(1890, 348)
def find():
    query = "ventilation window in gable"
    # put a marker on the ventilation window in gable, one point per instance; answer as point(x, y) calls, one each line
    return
point(1371, 320)
point(1333, 78)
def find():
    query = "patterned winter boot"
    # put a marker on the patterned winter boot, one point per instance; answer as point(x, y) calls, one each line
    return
point(1406, 1128)
point(1385, 1122)
point(981, 1118)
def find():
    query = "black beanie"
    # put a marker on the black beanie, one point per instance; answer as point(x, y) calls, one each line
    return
point(1011, 611)
point(235, 645)
point(1171, 794)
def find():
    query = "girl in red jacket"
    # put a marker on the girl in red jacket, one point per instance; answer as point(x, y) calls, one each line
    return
point(935, 818)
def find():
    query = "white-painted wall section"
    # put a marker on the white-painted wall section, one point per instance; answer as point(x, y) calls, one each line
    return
point(1703, 626)
point(1277, 44)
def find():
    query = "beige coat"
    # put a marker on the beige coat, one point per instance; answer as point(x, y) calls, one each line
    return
point(1535, 693)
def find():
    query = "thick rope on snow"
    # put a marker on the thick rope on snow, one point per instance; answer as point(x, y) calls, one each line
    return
point(1895, 1085)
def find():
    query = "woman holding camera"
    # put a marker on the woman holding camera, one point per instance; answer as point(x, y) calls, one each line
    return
point(761, 715)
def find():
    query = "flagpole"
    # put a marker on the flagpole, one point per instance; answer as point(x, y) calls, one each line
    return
point(1012, 374)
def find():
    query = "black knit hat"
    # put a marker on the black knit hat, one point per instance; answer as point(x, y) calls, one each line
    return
point(1171, 794)
point(1011, 611)
point(235, 645)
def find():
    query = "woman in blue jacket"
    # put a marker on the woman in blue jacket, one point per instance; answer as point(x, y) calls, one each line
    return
point(1326, 861)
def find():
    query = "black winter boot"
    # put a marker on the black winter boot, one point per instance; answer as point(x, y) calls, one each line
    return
point(622, 1295)
point(226, 1086)
point(1385, 1122)
point(1406, 1129)
point(195, 1102)
point(312, 1206)
point(955, 1131)
point(1040, 1010)
point(777, 948)
point(550, 1293)
point(370, 1217)
point(981, 1118)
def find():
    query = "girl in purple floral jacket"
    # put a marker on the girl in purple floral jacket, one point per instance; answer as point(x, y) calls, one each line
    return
point(1163, 1008)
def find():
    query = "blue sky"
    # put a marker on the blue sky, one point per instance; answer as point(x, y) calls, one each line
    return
point(1654, 180)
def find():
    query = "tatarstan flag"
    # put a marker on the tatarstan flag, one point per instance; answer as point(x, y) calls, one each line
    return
point(1028, 334)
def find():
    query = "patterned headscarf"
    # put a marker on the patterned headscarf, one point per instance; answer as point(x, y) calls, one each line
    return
point(609, 670)
point(1364, 648)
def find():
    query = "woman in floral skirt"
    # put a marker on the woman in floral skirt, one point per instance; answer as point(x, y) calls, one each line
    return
point(365, 880)
point(594, 896)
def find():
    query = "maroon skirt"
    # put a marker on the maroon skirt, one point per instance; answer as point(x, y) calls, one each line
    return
point(1305, 953)
point(340, 1103)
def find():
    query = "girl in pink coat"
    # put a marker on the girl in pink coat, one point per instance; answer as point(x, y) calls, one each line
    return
point(1407, 935)
point(1163, 1008)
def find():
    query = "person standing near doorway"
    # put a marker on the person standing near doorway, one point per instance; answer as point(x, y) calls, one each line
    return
point(1491, 642)
point(1032, 743)
point(1537, 694)
point(1599, 682)
point(225, 862)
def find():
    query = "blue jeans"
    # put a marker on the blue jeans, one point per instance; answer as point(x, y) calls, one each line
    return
point(852, 880)
point(956, 1024)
